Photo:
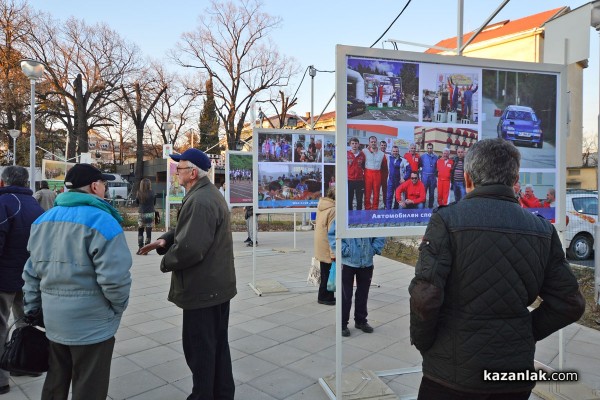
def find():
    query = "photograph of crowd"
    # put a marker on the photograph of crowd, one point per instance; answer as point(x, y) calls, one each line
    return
point(521, 107)
point(274, 147)
point(382, 89)
point(421, 168)
point(289, 185)
point(239, 174)
point(309, 148)
point(55, 170)
point(450, 94)
point(329, 150)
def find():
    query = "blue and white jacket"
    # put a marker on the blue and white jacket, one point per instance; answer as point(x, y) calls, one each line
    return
point(357, 253)
point(78, 270)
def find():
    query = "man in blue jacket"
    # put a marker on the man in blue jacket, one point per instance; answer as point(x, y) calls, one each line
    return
point(399, 171)
point(18, 210)
point(79, 271)
point(428, 163)
point(357, 262)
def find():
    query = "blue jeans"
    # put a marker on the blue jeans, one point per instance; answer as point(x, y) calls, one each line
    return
point(390, 201)
point(459, 190)
point(430, 184)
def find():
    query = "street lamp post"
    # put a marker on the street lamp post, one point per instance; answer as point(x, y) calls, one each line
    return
point(14, 133)
point(168, 127)
point(33, 70)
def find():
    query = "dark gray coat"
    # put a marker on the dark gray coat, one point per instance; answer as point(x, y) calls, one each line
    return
point(482, 262)
point(199, 252)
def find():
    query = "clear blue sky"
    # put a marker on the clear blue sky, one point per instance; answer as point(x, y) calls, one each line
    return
point(311, 29)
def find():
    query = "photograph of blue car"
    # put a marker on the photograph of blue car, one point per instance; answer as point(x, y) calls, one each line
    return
point(520, 125)
point(521, 107)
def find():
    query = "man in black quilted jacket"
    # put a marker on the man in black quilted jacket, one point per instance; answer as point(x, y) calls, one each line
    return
point(482, 262)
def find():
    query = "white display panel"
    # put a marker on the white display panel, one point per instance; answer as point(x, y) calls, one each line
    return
point(388, 99)
point(292, 169)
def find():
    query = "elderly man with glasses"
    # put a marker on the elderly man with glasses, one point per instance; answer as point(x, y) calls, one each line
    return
point(199, 254)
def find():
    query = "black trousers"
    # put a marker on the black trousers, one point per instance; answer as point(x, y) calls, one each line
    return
point(206, 349)
point(430, 390)
point(356, 188)
point(88, 367)
point(324, 294)
point(363, 284)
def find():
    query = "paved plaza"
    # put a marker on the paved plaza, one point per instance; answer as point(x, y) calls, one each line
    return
point(282, 343)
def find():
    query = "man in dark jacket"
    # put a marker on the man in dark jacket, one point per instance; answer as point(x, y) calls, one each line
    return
point(482, 262)
point(199, 253)
point(18, 210)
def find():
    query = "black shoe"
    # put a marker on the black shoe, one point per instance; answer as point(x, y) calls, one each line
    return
point(327, 302)
point(248, 240)
point(32, 374)
point(250, 244)
point(4, 389)
point(345, 331)
point(366, 328)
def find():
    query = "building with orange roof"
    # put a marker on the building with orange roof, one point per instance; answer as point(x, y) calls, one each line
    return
point(523, 40)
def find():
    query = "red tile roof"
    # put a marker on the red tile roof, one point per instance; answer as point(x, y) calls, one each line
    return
point(504, 28)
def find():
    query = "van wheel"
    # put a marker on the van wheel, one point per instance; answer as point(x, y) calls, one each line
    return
point(581, 247)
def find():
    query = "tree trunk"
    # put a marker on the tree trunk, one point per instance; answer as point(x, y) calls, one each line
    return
point(139, 162)
point(81, 130)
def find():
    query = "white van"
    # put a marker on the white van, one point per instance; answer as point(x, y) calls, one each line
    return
point(119, 188)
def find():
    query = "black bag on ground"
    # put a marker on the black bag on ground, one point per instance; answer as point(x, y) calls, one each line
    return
point(26, 351)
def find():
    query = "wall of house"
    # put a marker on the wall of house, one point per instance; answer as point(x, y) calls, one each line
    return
point(529, 47)
point(582, 178)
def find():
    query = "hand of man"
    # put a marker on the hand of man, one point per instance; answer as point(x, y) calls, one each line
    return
point(152, 246)
point(35, 317)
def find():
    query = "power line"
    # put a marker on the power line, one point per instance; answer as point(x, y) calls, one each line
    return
point(298, 88)
point(393, 22)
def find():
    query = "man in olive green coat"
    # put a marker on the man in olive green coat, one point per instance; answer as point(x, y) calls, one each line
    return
point(199, 253)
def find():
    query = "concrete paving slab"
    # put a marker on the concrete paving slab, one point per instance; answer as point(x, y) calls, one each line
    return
point(267, 286)
point(362, 385)
point(285, 334)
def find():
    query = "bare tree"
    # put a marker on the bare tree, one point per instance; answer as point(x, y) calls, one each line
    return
point(285, 104)
point(232, 45)
point(589, 157)
point(14, 86)
point(179, 104)
point(120, 135)
point(140, 97)
point(85, 66)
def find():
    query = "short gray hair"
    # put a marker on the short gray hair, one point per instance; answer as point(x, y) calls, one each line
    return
point(15, 176)
point(201, 173)
point(493, 161)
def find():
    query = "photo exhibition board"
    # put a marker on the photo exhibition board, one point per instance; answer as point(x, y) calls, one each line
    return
point(292, 169)
point(401, 112)
point(238, 178)
point(54, 172)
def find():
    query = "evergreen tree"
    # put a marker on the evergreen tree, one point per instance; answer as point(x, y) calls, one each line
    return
point(209, 122)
